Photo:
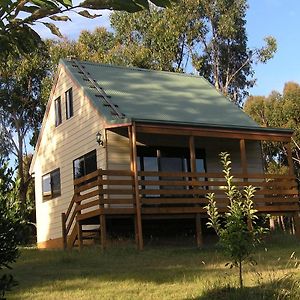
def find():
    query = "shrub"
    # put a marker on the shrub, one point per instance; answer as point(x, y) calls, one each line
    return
point(239, 233)
point(9, 226)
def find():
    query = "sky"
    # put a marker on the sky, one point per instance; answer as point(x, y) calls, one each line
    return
point(277, 18)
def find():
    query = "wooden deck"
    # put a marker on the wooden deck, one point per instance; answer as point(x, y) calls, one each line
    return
point(117, 192)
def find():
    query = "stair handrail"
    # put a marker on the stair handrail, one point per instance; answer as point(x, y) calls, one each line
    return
point(69, 216)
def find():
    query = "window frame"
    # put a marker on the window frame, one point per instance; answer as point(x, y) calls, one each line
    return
point(58, 114)
point(69, 103)
point(85, 156)
point(51, 194)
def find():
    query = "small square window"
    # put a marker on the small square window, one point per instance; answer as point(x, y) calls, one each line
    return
point(85, 164)
point(69, 103)
point(51, 185)
point(58, 118)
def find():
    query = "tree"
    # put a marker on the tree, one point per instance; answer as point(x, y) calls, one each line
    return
point(240, 232)
point(225, 59)
point(283, 111)
point(21, 110)
point(17, 18)
point(157, 39)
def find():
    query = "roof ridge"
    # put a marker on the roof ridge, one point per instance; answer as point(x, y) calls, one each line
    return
point(133, 68)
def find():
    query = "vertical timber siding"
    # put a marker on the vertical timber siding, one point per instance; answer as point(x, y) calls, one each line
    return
point(59, 146)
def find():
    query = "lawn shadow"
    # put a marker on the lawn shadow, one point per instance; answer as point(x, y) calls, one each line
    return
point(282, 288)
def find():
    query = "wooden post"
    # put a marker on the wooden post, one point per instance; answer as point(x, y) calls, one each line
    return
point(199, 237)
point(103, 230)
point(245, 172)
point(79, 234)
point(136, 189)
point(136, 236)
point(64, 230)
point(192, 153)
point(290, 158)
point(296, 218)
point(244, 159)
point(102, 217)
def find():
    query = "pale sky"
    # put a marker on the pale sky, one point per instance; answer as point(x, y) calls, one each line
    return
point(264, 17)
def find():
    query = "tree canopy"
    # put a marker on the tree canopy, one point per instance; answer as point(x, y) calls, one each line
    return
point(278, 110)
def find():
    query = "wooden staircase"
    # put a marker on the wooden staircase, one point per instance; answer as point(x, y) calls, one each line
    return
point(91, 203)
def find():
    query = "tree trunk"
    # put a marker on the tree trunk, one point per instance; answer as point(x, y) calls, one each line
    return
point(241, 274)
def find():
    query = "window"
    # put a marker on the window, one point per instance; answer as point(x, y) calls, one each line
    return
point(51, 185)
point(167, 159)
point(58, 118)
point(85, 164)
point(69, 103)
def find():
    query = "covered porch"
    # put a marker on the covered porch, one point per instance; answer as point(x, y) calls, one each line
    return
point(171, 170)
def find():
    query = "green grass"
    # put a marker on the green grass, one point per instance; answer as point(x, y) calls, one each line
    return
point(122, 272)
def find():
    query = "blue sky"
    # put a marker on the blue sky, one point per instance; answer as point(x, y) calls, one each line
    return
point(278, 18)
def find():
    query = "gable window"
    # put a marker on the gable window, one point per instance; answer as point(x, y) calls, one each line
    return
point(69, 103)
point(58, 119)
point(51, 185)
point(85, 164)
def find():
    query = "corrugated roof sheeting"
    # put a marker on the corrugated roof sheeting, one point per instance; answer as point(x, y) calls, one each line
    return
point(158, 96)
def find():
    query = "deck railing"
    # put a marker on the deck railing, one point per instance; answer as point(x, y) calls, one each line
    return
point(185, 191)
point(113, 192)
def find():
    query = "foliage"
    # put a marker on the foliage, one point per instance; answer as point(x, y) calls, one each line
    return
point(240, 232)
point(21, 108)
point(17, 18)
point(278, 110)
point(10, 225)
point(209, 34)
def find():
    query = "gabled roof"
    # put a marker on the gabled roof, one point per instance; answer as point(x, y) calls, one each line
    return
point(156, 96)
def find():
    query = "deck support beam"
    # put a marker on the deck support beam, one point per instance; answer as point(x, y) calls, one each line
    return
point(296, 218)
point(79, 235)
point(64, 231)
point(103, 231)
point(132, 138)
point(199, 237)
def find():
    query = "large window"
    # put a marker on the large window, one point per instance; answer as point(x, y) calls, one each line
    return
point(58, 118)
point(69, 103)
point(85, 164)
point(51, 185)
point(167, 159)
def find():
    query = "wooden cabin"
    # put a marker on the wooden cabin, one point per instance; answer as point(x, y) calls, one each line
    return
point(121, 142)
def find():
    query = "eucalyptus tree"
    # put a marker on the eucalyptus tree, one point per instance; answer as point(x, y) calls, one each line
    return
point(279, 110)
point(210, 35)
point(21, 109)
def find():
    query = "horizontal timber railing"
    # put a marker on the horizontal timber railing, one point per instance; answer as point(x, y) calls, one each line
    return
point(102, 191)
point(184, 192)
point(112, 192)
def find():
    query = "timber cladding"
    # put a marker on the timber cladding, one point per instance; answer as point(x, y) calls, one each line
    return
point(59, 146)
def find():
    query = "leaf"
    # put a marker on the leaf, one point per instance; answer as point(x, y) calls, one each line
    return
point(54, 29)
point(30, 9)
point(86, 14)
point(66, 3)
point(144, 4)
point(45, 4)
point(60, 18)
point(163, 3)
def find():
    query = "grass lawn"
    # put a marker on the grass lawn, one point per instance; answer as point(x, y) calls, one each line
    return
point(121, 272)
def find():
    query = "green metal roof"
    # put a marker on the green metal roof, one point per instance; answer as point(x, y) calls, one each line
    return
point(156, 96)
